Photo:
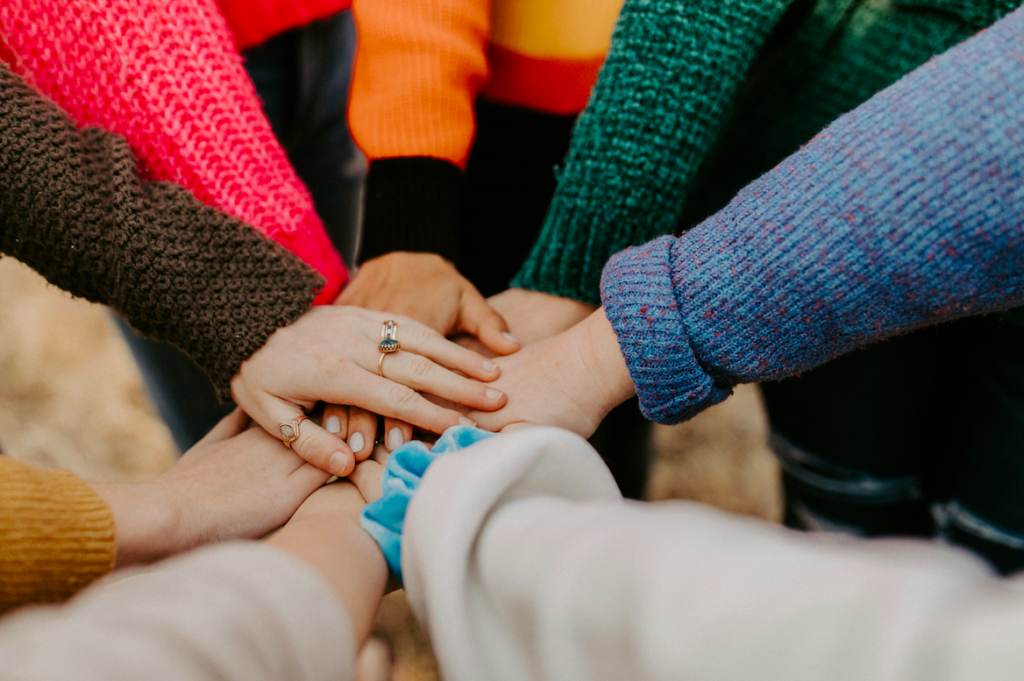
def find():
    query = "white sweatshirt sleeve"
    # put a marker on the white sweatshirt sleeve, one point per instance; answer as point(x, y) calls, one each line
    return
point(234, 612)
point(523, 562)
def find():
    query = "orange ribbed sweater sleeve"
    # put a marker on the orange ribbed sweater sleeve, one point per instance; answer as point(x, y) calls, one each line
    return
point(56, 535)
point(419, 66)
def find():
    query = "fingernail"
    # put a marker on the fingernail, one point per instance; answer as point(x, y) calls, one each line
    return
point(493, 394)
point(466, 422)
point(510, 337)
point(490, 366)
point(333, 425)
point(338, 463)
point(356, 442)
point(395, 438)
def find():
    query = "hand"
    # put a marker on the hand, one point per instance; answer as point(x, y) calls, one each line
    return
point(428, 288)
point(571, 380)
point(533, 316)
point(331, 354)
point(230, 485)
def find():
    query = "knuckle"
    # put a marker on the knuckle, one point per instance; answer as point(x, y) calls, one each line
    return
point(402, 397)
point(420, 369)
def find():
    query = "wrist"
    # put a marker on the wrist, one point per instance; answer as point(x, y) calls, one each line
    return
point(609, 381)
point(326, 535)
point(147, 523)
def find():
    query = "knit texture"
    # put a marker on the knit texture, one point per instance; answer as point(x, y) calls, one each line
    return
point(165, 75)
point(412, 204)
point(72, 206)
point(666, 84)
point(904, 213)
point(832, 58)
point(419, 66)
point(644, 159)
point(56, 535)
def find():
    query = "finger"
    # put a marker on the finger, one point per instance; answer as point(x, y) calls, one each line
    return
point(228, 427)
point(423, 375)
point(366, 478)
point(336, 420)
point(387, 398)
point(479, 319)
point(315, 445)
point(421, 340)
point(362, 426)
point(396, 433)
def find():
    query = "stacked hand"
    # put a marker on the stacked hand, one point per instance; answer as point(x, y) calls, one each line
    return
point(331, 354)
point(236, 483)
point(429, 289)
point(571, 380)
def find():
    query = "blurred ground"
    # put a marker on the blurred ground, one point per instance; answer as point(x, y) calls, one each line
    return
point(71, 398)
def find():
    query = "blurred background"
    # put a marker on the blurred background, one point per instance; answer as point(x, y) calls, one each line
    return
point(71, 398)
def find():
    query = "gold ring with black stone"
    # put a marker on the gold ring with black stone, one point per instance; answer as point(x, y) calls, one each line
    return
point(388, 343)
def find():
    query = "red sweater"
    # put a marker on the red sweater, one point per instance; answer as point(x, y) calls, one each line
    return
point(254, 21)
point(167, 77)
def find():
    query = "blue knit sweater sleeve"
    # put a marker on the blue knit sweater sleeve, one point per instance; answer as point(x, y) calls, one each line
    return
point(906, 212)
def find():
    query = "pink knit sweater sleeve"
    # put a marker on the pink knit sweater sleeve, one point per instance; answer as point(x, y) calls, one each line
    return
point(165, 75)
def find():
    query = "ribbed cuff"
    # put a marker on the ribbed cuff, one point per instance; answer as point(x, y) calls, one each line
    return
point(640, 302)
point(56, 535)
point(412, 204)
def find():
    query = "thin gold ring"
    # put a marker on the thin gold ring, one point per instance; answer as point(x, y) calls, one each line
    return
point(380, 364)
point(290, 430)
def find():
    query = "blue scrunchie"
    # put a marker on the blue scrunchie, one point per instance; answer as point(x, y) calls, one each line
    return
point(384, 519)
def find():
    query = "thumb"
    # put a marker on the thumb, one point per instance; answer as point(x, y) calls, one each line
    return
point(479, 319)
point(366, 478)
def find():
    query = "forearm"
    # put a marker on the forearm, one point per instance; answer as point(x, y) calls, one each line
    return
point(242, 611)
point(652, 117)
point(335, 546)
point(903, 213)
point(683, 591)
point(74, 208)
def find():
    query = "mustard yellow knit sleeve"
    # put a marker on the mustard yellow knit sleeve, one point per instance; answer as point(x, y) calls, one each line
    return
point(56, 535)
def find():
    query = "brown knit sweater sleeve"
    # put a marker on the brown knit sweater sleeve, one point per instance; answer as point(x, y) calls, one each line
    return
point(73, 207)
point(56, 535)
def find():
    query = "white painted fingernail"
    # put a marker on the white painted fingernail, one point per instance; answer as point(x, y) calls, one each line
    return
point(489, 365)
point(356, 442)
point(338, 463)
point(510, 337)
point(395, 438)
point(493, 394)
point(333, 425)
point(466, 422)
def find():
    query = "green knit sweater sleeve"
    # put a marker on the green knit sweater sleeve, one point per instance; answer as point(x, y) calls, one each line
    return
point(665, 88)
point(73, 207)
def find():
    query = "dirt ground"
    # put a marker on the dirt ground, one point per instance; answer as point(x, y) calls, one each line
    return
point(71, 398)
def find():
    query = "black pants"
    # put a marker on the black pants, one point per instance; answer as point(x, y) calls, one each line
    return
point(920, 435)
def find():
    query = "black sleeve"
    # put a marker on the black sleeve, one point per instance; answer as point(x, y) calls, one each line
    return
point(412, 204)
